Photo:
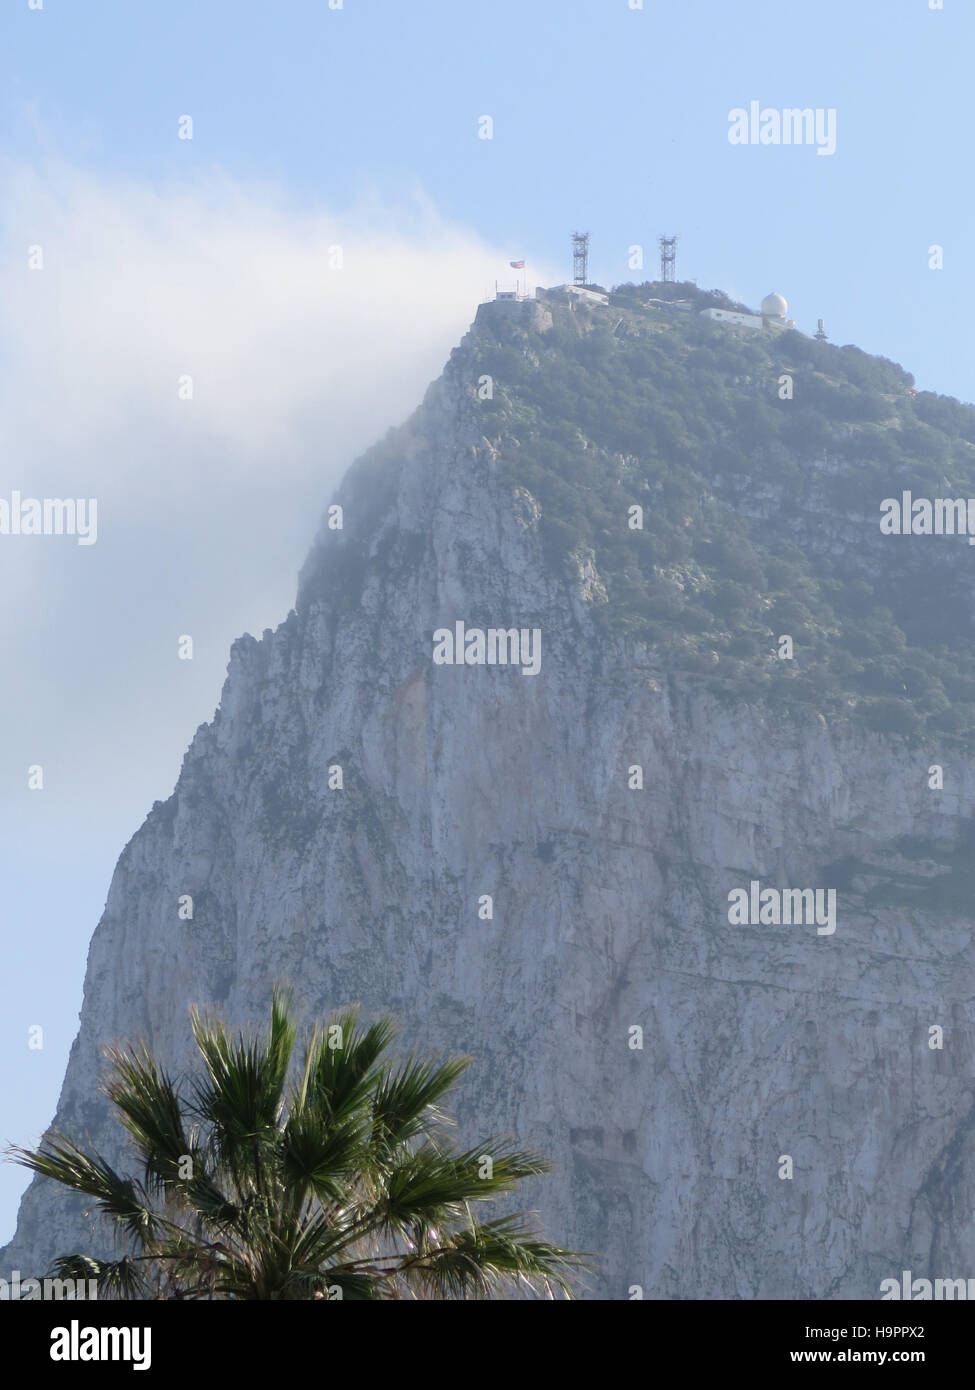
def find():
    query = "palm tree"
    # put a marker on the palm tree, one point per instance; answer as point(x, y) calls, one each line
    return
point(335, 1180)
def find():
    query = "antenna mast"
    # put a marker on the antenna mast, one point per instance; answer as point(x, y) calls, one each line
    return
point(668, 259)
point(580, 258)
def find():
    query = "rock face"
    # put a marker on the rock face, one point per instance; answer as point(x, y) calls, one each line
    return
point(610, 904)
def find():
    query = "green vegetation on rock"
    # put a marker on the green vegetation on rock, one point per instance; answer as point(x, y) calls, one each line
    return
point(760, 514)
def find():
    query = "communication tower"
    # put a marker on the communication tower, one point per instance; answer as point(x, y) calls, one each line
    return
point(580, 258)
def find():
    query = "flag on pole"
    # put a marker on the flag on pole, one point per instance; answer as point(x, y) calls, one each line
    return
point(517, 265)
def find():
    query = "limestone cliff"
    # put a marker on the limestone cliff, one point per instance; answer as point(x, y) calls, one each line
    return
point(610, 903)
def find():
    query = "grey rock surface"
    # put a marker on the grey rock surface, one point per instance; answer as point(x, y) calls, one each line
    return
point(609, 908)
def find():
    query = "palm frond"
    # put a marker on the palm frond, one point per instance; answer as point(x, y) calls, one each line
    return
point(322, 1157)
point(405, 1104)
point(127, 1278)
point(150, 1110)
point(340, 1071)
point(341, 1182)
point(241, 1095)
point(123, 1199)
point(484, 1258)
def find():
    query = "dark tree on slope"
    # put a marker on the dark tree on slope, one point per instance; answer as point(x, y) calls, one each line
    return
point(333, 1180)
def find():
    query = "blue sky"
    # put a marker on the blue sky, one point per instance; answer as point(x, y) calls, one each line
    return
point(360, 125)
point(604, 116)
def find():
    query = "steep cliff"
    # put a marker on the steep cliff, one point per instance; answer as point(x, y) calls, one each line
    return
point(505, 503)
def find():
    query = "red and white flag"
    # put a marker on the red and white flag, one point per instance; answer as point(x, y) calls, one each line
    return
point(517, 265)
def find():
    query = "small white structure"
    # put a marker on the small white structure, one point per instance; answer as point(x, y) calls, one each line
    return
point(587, 295)
point(775, 308)
point(753, 321)
point(775, 305)
point(579, 294)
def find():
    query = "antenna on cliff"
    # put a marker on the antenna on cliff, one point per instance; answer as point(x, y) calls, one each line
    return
point(580, 258)
point(820, 333)
point(668, 259)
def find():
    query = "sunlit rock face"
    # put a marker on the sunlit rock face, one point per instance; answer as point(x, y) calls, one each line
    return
point(489, 872)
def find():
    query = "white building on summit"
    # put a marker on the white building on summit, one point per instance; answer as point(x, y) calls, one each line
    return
point(775, 309)
point(773, 316)
point(733, 316)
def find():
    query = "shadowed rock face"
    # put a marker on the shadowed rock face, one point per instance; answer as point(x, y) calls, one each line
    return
point(610, 905)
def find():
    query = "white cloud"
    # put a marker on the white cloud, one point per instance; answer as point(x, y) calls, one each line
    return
point(139, 287)
point(206, 508)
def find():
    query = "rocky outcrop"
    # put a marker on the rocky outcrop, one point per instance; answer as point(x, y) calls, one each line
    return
point(609, 905)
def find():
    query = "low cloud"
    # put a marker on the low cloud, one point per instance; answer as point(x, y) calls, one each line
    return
point(206, 507)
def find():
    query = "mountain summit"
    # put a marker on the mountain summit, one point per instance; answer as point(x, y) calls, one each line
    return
point(716, 679)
